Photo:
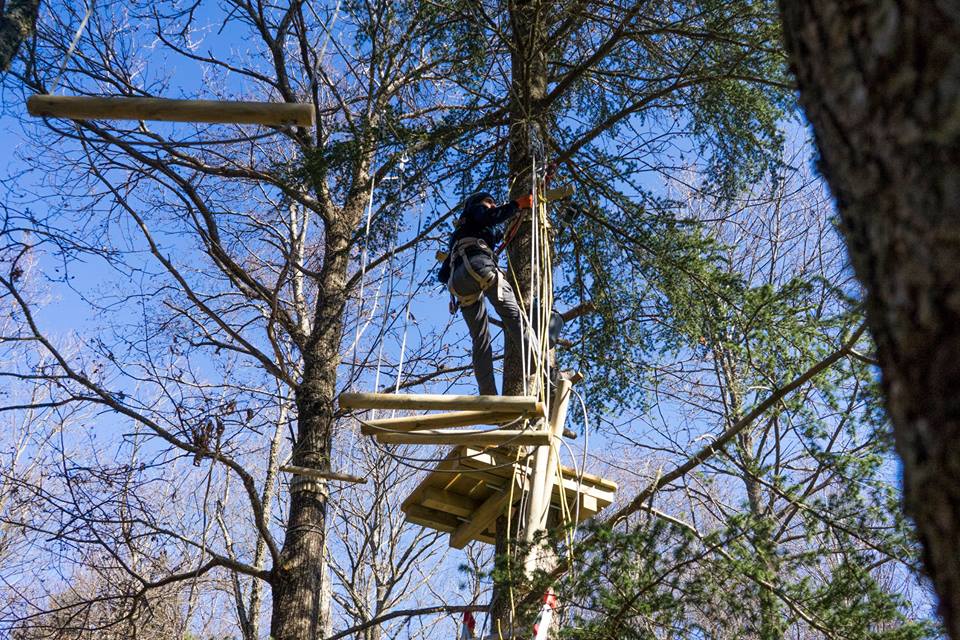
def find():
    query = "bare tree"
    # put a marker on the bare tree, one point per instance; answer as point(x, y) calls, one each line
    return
point(231, 258)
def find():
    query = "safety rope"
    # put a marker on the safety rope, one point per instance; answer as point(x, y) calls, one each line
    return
point(73, 46)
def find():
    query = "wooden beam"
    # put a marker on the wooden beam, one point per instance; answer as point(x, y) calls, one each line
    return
point(483, 517)
point(440, 521)
point(440, 401)
point(490, 438)
point(458, 505)
point(274, 114)
point(432, 518)
point(321, 475)
point(437, 420)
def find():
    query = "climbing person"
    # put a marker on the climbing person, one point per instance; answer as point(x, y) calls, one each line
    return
point(470, 272)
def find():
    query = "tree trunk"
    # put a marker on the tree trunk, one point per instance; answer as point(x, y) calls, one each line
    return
point(879, 81)
point(16, 25)
point(528, 87)
point(763, 525)
point(300, 592)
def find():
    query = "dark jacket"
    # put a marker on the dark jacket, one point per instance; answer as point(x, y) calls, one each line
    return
point(480, 222)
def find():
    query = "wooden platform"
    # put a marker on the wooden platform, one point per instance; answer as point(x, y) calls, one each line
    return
point(470, 488)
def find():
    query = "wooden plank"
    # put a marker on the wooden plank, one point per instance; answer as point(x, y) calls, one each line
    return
point(214, 111)
point(492, 462)
point(559, 193)
point(432, 518)
point(440, 521)
point(447, 464)
point(439, 401)
point(492, 437)
point(483, 517)
point(478, 459)
point(322, 475)
point(589, 479)
point(458, 505)
point(437, 420)
point(573, 489)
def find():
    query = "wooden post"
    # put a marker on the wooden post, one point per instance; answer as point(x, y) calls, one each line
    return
point(544, 470)
point(275, 114)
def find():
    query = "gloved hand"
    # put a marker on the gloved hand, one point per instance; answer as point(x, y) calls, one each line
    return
point(525, 202)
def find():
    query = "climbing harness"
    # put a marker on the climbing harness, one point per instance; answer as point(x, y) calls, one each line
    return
point(459, 253)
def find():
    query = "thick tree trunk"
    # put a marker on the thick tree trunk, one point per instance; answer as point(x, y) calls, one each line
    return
point(300, 590)
point(771, 625)
point(528, 87)
point(16, 25)
point(880, 81)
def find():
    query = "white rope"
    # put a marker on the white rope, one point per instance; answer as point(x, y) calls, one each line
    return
point(363, 273)
point(73, 45)
point(413, 271)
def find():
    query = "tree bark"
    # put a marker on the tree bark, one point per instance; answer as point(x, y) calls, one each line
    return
point(528, 86)
point(300, 590)
point(16, 25)
point(879, 81)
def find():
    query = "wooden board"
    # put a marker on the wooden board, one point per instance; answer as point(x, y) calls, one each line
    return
point(559, 193)
point(487, 437)
point(426, 401)
point(474, 478)
point(438, 420)
point(274, 114)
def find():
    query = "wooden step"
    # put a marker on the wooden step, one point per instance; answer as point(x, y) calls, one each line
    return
point(214, 111)
point(425, 401)
point(439, 420)
point(491, 437)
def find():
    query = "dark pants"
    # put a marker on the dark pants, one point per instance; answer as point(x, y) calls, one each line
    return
point(500, 294)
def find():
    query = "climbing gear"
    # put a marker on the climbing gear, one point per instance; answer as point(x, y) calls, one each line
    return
point(459, 253)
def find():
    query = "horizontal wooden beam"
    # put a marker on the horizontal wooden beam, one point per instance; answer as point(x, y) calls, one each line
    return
point(438, 420)
point(440, 521)
point(491, 438)
point(321, 475)
point(455, 503)
point(274, 114)
point(440, 401)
